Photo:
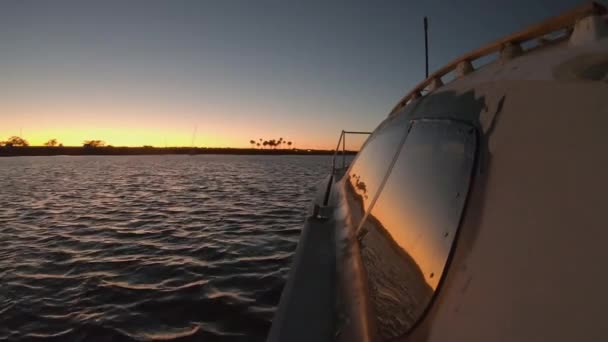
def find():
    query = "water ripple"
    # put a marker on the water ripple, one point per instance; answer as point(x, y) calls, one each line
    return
point(148, 248)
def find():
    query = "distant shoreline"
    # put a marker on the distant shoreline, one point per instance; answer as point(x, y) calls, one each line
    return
point(130, 151)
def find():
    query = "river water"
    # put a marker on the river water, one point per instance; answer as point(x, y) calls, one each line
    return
point(112, 248)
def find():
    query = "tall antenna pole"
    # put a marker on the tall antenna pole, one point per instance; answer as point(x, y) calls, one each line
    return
point(426, 47)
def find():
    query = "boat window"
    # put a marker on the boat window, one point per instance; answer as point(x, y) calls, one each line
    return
point(370, 167)
point(408, 236)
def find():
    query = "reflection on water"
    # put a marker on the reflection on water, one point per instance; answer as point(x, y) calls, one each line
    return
point(407, 238)
point(155, 247)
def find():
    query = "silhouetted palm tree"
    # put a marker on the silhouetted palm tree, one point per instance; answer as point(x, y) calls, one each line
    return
point(252, 142)
point(15, 141)
point(51, 143)
point(93, 143)
point(274, 143)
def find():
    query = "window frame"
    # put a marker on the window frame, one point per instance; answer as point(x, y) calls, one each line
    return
point(479, 143)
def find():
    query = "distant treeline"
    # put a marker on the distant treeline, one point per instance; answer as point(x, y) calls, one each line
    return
point(13, 151)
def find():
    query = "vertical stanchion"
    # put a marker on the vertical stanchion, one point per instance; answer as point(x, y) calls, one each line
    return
point(426, 47)
point(343, 150)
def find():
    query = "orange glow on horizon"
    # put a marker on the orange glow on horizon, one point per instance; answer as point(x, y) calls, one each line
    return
point(137, 137)
point(138, 123)
point(130, 137)
point(134, 117)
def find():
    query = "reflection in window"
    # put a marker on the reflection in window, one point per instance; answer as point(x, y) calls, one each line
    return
point(408, 235)
point(370, 167)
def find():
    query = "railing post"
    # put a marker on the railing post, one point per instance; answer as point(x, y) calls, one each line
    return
point(333, 162)
point(342, 141)
point(343, 150)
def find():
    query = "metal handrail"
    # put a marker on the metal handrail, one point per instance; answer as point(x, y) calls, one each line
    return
point(342, 140)
point(563, 21)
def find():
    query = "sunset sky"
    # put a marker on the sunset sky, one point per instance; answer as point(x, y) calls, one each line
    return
point(138, 73)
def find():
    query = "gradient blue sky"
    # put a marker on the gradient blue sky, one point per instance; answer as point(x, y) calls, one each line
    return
point(148, 72)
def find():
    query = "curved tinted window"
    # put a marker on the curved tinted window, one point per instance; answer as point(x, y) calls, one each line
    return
point(407, 238)
point(370, 167)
